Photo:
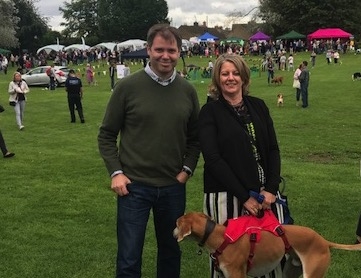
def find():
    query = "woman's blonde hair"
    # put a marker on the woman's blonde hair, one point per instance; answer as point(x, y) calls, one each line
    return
point(240, 65)
point(16, 73)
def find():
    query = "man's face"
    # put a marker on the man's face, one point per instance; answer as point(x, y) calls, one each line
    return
point(163, 56)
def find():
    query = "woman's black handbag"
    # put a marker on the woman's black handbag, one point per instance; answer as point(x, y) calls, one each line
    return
point(2, 109)
point(12, 103)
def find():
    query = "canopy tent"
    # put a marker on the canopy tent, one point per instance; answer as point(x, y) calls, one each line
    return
point(329, 33)
point(132, 45)
point(51, 47)
point(194, 40)
point(4, 51)
point(77, 47)
point(138, 54)
point(107, 45)
point(291, 35)
point(186, 43)
point(207, 37)
point(259, 36)
point(232, 40)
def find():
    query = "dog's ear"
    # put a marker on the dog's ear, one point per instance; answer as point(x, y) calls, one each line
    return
point(184, 228)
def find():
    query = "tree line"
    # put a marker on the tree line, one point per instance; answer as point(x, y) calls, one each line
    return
point(22, 27)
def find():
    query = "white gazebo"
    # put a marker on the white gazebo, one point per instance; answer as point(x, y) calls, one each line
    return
point(76, 47)
point(132, 45)
point(51, 47)
point(108, 45)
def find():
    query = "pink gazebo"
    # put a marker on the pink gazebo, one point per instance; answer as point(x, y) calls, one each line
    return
point(329, 33)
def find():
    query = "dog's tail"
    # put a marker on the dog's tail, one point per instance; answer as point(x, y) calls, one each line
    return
point(353, 77)
point(354, 247)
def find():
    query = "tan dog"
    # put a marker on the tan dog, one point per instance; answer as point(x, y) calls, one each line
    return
point(312, 249)
point(280, 100)
point(277, 80)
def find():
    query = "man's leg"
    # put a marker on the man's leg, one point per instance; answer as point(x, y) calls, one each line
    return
point(169, 207)
point(79, 107)
point(132, 218)
point(71, 109)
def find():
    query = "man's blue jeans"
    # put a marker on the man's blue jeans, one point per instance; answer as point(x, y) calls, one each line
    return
point(167, 203)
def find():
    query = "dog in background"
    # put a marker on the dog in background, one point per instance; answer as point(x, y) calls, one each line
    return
point(277, 80)
point(356, 76)
point(280, 100)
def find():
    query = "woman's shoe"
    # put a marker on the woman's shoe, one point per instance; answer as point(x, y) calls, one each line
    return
point(8, 155)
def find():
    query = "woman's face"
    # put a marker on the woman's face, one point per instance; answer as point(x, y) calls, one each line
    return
point(17, 77)
point(230, 79)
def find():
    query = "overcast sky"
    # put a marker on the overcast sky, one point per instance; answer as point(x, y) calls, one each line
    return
point(180, 11)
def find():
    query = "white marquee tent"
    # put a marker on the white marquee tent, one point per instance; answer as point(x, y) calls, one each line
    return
point(133, 45)
point(107, 45)
point(51, 47)
point(76, 47)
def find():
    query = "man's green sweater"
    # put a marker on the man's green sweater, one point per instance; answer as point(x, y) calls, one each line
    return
point(158, 128)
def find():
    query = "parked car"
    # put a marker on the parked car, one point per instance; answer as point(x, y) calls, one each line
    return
point(37, 76)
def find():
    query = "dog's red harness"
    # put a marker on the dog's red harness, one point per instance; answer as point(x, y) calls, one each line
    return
point(253, 226)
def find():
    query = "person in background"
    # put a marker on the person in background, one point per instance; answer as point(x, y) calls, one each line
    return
point(18, 90)
point(270, 70)
point(313, 58)
point(154, 111)
point(51, 73)
point(112, 73)
point(74, 88)
point(290, 62)
point(4, 150)
point(5, 64)
point(89, 74)
point(297, 84)
point(358, 231)
point(240, 149)
point(304, 79)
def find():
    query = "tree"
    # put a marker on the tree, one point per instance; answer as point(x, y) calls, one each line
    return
point(81, 18)
point(31, 26)
point(126, 19)
point(307, 16)
point(8, 26)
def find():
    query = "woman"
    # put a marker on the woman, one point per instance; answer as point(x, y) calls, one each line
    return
point(239, 146)
point(18, 90)
point(297, 84)
point(89, 74)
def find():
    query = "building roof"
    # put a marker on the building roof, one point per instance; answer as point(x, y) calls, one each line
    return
point(239, 31)
point(196, 30)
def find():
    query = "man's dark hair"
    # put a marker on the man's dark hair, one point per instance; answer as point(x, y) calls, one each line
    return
point(305, 63)
point(165, 31)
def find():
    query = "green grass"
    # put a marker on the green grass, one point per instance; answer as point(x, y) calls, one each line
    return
point(57, 213)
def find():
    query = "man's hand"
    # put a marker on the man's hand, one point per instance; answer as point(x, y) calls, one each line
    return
point(119, 184)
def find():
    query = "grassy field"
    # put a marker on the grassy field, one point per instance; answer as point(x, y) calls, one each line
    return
point(57, 213)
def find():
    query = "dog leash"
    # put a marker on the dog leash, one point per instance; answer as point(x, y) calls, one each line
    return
point(260, 199)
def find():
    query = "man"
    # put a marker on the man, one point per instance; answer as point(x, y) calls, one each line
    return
point(304, 79)
point(156, 113)
point(74, 88)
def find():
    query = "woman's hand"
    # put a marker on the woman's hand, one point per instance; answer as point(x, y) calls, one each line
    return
point(269, 198)
point(252, 206)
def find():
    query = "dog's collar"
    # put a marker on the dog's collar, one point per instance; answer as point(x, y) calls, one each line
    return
point(210, 225)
